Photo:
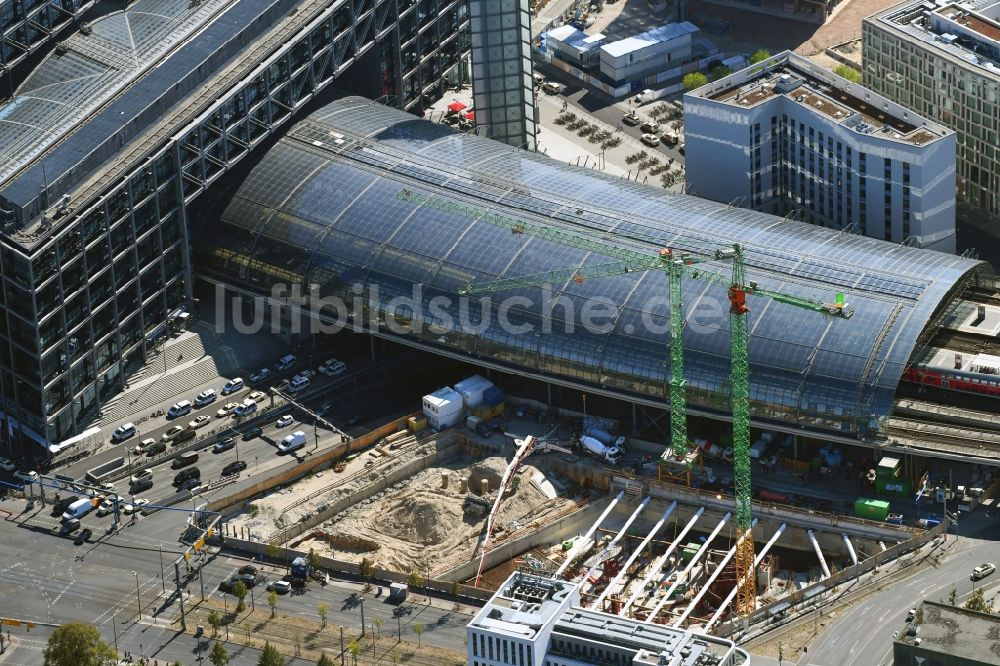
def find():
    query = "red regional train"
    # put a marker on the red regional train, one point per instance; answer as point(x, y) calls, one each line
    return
point(957, 371)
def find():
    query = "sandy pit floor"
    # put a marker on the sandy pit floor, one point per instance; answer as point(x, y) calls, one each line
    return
point(420, 526)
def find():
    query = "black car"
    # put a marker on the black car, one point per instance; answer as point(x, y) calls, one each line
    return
point(248, 569)
point(234, 468)
point(59, 506)
point(70, 526)
point(224, 445)
point(249, 580)
point(186, 475)
point(251, 433)
point(83, 536)
point(156, 448)
point(184, 435)
point(189, 484)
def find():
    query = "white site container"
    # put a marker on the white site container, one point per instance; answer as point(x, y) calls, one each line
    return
point(443, 408)
point(472, 389)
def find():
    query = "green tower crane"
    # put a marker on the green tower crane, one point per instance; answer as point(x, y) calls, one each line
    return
point(676, 265)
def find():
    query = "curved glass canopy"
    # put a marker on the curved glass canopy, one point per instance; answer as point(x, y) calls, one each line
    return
point(323, 208)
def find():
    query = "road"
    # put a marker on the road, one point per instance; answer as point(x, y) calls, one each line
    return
point(94, 583)
point(862, 634)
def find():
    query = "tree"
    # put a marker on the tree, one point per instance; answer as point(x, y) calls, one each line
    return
point(848, 72)
point(240, 592)
point(323, 611)
point(418, 629)
point(718, 72)
point(977, 602)
point(270, 656)
point(694, 80)
point(393, 656)
point(272, 551)
point(324, 660)
point(77, 644)
point(354, 648)
point(758, 55)
point(272, 601)
point(214, 621)
point(414, 579)
point(953, 597)
point(219, 656)
point(377, 621)
point(313, 559)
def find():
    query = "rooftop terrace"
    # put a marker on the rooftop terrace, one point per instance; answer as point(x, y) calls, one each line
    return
point(799, 81)
point(955, 631)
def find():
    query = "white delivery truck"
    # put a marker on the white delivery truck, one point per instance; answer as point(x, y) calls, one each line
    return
point(609, 454)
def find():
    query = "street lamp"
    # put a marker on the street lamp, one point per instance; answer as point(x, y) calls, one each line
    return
point(138, 601)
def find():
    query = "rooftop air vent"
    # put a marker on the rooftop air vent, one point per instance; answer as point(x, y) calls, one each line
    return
point(85, 28)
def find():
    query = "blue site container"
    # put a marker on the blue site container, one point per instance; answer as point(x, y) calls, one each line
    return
point(492, 396)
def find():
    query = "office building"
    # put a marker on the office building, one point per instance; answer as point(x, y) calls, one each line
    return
point(122, 127)
point(656, 58)
point(502, 85)
point(940, 634)
point(788, 137)
point(537, 621)
point(28, 27)
point(328, 205)
point(942, 60)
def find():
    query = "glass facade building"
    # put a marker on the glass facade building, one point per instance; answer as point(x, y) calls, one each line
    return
point(943, 61)
point(95, 189)
point(28, 25)
point(502, 72)
point(331, 205)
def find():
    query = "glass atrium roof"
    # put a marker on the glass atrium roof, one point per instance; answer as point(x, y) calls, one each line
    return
point(324, 207)
point(88, 70)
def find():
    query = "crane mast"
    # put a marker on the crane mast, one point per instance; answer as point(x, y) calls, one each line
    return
point(676, 266)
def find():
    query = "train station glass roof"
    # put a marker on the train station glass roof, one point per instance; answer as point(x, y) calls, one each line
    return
point(324, 207)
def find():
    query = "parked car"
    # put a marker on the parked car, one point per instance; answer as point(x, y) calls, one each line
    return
point(305, 374)
point(226, 409)
point(982, 571)
point(252, 433)
point(285, 362)
point(108, 505)
point(83, 537)
point(552, 88)
point(29, 476)
point(669, 139)
point(234, 467)
point(184, 435)
point(246, 408)
point(651, 140)
point(145, 483)
point(650, 128)
point(7, 465)
point(199, 421)
point(143, 446)
point(631, 119)
point(260, 375)
point(224, 445)
point(123, 432)
point(232, 386)
point(256, 396)
point(185, 459)
point(185, 475)
point(248, 569)
point(283, 421)
point(179, 409)
point(297, 384)
point(332, 367)
point(205, 397)
point(141, 474)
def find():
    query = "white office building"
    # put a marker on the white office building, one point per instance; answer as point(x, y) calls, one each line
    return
point(787, 137)
point(648, 53)
point(942, 60)
point(537, 621)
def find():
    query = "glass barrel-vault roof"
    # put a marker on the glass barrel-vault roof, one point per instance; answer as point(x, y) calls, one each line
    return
point(322, 207)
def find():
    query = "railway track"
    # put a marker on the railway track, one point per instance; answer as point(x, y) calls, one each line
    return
point(937, 413)
point(986, 296)
point(942, 433)
point(968, 343)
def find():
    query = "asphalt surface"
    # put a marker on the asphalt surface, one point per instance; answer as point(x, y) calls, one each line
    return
point(48, 579)
point(863, 634)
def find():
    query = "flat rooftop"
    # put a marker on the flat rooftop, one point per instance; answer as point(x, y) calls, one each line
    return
point(524, 605)
point(800, 82)
point(104, 85)
point(966, 32)
point(955, 631)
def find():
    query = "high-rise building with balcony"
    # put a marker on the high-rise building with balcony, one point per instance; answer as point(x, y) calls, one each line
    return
point(785, 136)
point(942, 60)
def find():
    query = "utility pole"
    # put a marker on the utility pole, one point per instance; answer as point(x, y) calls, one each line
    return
point(180, 592)
point(362, 616)
point(341, 645)
point(163, 583)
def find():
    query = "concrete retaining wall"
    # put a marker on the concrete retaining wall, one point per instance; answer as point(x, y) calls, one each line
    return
point(447, 447)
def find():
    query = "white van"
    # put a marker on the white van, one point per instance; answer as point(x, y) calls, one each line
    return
point(248, 407)
point(297, 384)
point(285, 362)
point(292, 442)
point(179, 408)
point(78, 509)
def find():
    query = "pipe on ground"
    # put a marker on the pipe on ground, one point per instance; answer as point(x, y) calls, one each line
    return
point(756, 562)
point(850, 548)
point(657, 566)
point(635, 554)
point(819, 553)
point(593, 528)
